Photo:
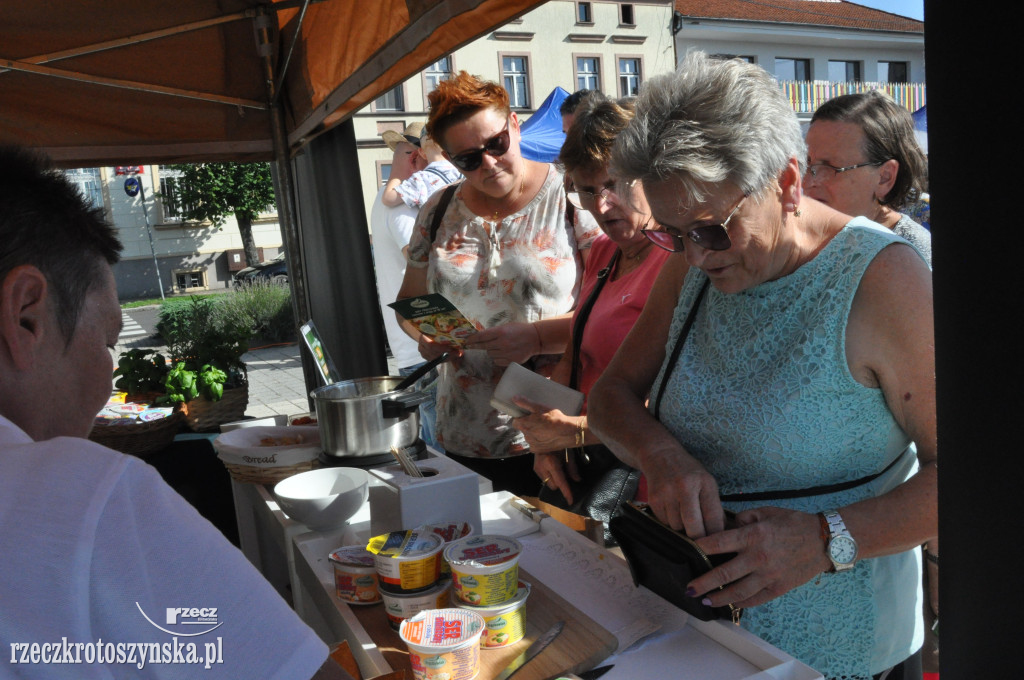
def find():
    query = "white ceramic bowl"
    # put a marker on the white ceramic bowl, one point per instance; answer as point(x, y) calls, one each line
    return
point(325, 498)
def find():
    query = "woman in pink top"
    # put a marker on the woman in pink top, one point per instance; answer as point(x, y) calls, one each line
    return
point(628, 265)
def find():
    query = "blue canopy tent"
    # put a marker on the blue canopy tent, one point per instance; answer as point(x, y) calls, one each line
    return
point(921, 127)
point(542, 134)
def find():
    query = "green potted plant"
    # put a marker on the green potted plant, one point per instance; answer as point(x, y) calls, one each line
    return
point(141, 374)
point(208, 375)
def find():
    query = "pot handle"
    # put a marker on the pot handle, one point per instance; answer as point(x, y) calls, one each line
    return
point(399, 405)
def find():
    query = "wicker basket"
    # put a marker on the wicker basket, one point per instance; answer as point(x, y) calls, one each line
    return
point(203, 415)
point(248, 459)
point(139, 439)
point(251, 474)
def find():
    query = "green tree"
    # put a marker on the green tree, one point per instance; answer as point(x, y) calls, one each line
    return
point(213, 191)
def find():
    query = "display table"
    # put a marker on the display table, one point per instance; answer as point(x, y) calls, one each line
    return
point(650, 638)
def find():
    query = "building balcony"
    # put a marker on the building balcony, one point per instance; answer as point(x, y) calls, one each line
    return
point(807, 95)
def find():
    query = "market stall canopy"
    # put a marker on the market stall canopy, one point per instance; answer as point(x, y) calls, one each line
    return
point(98, 83)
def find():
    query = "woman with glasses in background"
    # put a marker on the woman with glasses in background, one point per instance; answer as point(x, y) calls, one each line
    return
point(505, 255)
point(621, 269)
point(787, 372)
point(863, 159)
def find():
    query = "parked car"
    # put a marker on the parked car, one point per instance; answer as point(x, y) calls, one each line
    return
point(275, 271)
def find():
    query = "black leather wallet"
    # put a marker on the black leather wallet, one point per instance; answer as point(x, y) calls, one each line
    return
point(665, 560)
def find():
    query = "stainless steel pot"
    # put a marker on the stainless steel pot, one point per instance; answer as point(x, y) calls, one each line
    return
point(367, 416)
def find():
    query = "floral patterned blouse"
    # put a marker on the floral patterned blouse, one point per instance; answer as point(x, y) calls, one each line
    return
point(522, 269)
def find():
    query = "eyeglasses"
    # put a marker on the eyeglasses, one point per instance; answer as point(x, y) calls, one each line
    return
point(496, 146)
point(587, 200)
point(709, 237)
point(824, 172)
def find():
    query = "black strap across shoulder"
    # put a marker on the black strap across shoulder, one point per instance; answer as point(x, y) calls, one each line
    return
point(678, 348)
point(442, 207)
point(581, 317)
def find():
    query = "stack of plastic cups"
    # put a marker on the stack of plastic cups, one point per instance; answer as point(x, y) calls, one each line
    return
point(408, 565)
point(485, 580)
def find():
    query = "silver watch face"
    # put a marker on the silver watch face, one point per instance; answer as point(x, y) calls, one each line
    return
point(842, 549)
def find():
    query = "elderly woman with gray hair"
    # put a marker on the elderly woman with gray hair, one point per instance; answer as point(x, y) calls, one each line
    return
point(787, 370)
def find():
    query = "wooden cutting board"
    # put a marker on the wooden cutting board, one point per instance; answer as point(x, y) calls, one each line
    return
point(582, 644)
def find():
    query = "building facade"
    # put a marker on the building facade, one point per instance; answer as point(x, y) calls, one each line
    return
point(162, 251)
point(608, 45)
point(817, 49)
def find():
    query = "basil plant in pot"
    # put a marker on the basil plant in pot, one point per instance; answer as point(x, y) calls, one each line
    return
point(207, 375)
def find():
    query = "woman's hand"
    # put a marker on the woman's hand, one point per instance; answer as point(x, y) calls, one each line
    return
point(552, 469)
point(546, 429)
point(507, 343)
point(682, 493)
point(431, 349)
point(776, 551)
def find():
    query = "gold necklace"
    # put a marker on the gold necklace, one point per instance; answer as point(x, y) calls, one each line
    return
point(522, 189)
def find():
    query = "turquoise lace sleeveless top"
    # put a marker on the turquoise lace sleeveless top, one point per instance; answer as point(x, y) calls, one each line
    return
point(763, 397)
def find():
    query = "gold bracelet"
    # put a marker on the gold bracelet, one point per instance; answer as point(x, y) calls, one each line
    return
point(580, 435)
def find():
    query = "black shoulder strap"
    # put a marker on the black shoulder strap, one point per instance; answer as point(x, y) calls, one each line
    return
point(678, 347)
point(581, 318)
point(442, 206)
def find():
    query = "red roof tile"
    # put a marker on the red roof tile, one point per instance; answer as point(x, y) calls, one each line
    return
point(837, 13)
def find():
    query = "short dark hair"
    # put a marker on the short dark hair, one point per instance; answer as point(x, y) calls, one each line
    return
point(888, 133)
point(573, 101)
point(588, 144)
point(46, 222)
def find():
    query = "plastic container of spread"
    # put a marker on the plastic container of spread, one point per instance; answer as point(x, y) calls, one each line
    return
point(355, 575)
point(444, 644)
point(407, 561)
point(504, 624)
point(452, 531)
point(401, 606)
point(485, 569)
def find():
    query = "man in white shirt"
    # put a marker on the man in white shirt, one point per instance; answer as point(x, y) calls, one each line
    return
point(392, 228)
point(104, 566)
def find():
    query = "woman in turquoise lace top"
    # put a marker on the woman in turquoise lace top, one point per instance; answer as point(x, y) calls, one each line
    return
point(808, 369)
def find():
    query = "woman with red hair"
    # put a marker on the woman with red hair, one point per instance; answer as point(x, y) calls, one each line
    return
point(506, 254)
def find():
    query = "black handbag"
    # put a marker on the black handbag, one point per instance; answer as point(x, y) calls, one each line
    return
point(665, 560)
point(605, 482)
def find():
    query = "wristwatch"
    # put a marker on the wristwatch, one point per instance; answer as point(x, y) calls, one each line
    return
point(840, 546)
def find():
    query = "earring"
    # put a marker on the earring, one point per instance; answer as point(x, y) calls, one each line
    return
point(797, 213)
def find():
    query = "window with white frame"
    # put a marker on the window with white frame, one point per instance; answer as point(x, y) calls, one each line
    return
point(516, 81)
point(588, 73)
point(170, 195)
point(629, 76)
point(89, 183)
point(893, 72)
point(584, 13)
point(435, 73)
point(787, 68)
point(392, 100)
point(844, 71)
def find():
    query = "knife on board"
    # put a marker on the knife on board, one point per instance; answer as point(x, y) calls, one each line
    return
point(535, 648)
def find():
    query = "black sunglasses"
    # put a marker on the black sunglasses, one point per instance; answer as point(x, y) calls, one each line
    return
point(496, 146)
point(710, 237)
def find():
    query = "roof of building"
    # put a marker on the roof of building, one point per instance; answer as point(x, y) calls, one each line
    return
point(837, 13)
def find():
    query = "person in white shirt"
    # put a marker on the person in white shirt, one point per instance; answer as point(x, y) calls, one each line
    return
point(104, 566)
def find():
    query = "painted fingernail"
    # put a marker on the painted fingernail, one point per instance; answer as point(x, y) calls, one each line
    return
point(706, 602)
point(690, 592)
